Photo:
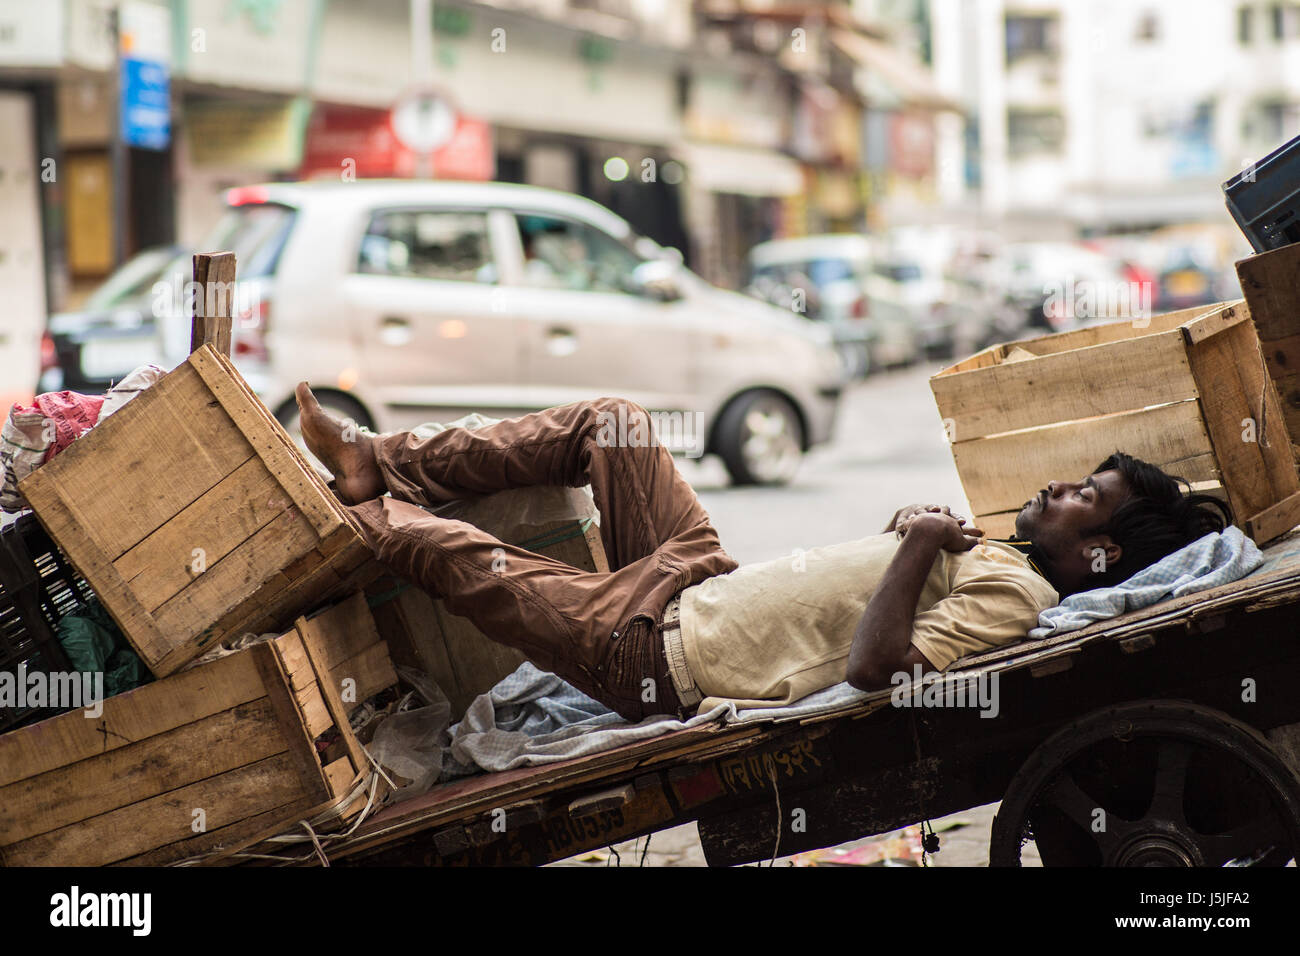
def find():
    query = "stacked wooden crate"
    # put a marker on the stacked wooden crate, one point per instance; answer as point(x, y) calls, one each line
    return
point(203, 762)
point(1187, 391)
point(1270, 281)
point(195, 517)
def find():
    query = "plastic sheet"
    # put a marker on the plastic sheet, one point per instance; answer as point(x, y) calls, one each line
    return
point(140, 379)
point(94, 644)
point(411, 743)
point(32, 436)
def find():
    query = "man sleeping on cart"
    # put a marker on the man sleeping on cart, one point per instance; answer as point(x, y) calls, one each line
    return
point(675, 621)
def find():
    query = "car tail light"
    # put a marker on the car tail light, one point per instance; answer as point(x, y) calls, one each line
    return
point(49, 354)
point(250, 331)
point(246, 196)
point(860, 308)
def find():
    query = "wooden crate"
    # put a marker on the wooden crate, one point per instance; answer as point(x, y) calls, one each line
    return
point(423, 634)
point(194, 516)
point(1188, 392)
point(1270, 281)
point(233, 737)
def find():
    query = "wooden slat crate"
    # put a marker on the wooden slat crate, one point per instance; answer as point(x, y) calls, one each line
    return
point(194, 516)
point(1270, 281)
point(233, 738)
point(1188, 392)
point(423, 634)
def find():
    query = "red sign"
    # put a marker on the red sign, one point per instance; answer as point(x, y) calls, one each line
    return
point(911, 145)
point(359, 139)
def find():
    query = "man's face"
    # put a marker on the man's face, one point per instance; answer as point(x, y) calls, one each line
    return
point(1058, 517)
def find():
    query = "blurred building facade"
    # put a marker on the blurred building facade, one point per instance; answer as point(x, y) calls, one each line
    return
point(1109, 115)
point(728, 121)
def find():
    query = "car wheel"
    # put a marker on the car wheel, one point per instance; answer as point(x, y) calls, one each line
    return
point(341, 406)
point(760, 439)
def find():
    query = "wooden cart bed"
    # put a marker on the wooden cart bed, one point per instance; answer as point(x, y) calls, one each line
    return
point(865, 767)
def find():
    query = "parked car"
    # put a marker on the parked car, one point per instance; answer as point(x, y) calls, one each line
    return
point(1065, 285)
point(114, 330)
point(403, 302)
point(825, 279)
point(903, 289)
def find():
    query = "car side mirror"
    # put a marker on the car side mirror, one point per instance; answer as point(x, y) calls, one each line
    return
point(658, 280)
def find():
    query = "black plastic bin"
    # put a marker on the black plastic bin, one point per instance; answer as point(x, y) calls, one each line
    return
point(37, 588)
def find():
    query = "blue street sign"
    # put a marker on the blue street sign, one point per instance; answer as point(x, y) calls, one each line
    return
point(145, 110)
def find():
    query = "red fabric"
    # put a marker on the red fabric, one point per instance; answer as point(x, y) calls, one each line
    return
point(71, 414)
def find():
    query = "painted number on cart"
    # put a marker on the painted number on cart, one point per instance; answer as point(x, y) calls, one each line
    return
point(563, 831)
point(755, 771)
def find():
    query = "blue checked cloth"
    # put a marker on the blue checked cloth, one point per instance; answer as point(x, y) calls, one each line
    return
point(1215, 559)
point(533, 717)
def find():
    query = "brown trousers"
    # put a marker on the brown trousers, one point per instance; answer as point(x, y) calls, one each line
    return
point(601, 632)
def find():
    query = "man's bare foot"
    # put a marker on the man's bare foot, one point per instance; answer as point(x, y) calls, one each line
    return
point(350, 457)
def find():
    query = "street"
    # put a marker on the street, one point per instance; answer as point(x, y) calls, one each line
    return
point(332, 223)
point(890, 450)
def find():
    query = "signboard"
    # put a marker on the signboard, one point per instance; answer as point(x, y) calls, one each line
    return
point(361, 142)
point(146, 105)
point(244, 134)
point(31, 34)
point(145, 108)
point(423, 121)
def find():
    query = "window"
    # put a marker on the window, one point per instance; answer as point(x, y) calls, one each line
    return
point(1269, 122)
point(1285, 21)
point(1148, 28)
point(898, 271)
point(428, 244)
point(1031, 36)
point(1035, 131)
point(256, 233)
point(819, 272)
point(561, 254)
point(1245, 24)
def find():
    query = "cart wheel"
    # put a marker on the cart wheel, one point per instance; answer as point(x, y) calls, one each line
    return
point(1155, 783)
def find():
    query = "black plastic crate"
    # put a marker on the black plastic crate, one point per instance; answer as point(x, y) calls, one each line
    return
point(37, 588)
point(1264, 198)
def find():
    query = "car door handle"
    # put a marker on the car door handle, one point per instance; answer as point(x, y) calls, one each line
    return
point(395, 330)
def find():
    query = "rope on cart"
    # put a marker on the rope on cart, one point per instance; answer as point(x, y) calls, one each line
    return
point(314, 831)
point(771, 772)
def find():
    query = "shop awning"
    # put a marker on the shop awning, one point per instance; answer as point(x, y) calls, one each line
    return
point(745, 170)
point(906, 77)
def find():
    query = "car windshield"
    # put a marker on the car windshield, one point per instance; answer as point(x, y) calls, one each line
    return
point(136, 279)
point(255, 233)
point(899, 271)
point(819, 271)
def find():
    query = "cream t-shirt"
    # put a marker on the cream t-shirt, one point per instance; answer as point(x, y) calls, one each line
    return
point(767, 634)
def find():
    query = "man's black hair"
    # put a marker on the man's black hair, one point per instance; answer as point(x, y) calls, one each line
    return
point(1157, 518)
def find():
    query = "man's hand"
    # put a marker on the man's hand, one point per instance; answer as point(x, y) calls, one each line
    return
point(948, 531)
point(902, 515)
point(905, 518)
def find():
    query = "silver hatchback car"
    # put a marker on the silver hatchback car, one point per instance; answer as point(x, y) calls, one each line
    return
point(403, 302)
